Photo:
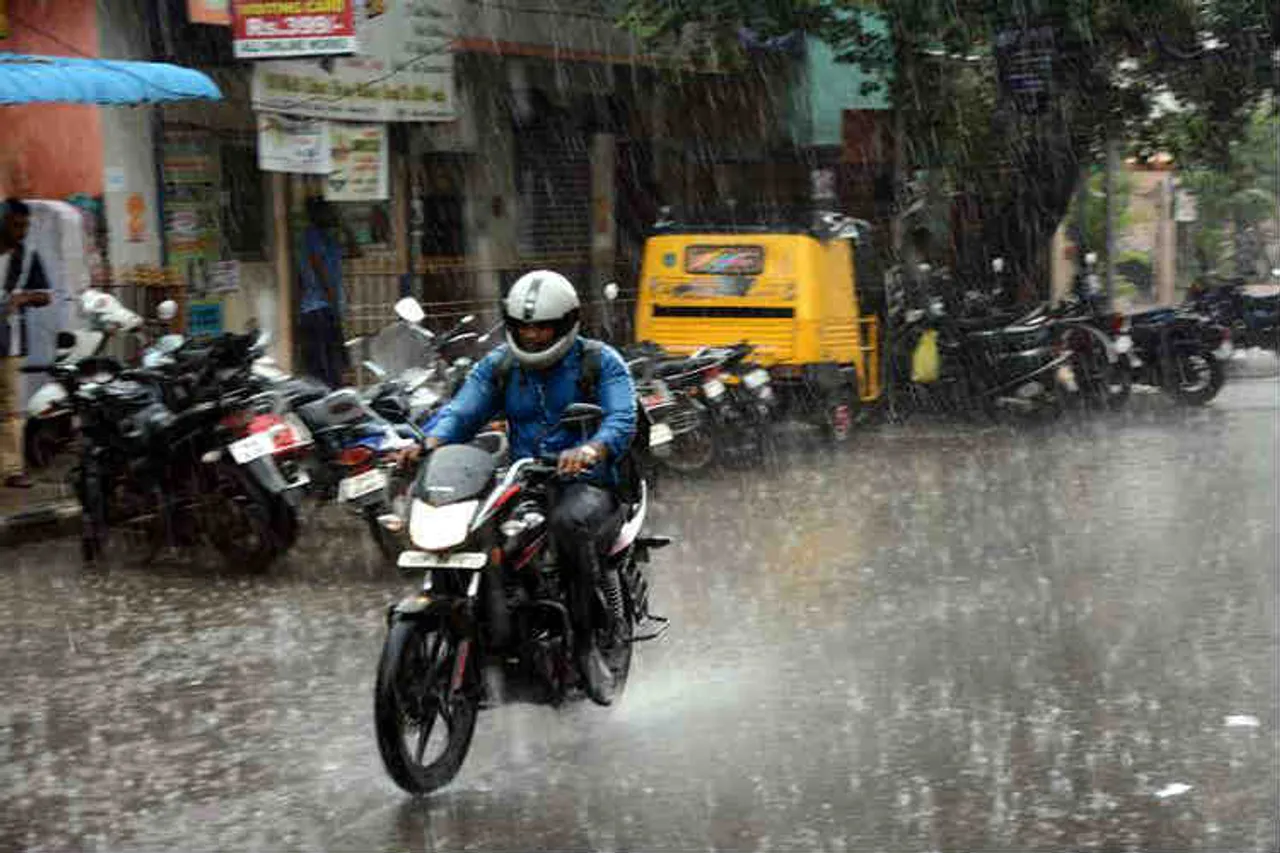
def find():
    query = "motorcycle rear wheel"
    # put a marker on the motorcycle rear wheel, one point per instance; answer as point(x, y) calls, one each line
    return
point(411, 694)
point(247, 526)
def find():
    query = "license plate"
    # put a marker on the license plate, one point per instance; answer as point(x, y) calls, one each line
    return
point(756, 378)
point(660, 434)
point(362, 484)
point(713, 388)
point(252, 447)
point(462, 560)
point(1124, 344)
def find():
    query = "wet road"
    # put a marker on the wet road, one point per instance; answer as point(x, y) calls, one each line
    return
point(949, 639)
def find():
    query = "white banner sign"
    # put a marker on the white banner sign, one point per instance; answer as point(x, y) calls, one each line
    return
point(359, 156)
point(300, 146)
point(403, 71)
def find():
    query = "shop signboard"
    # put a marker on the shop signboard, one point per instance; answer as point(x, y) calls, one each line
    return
point(404, 70)
point(274, 28)
point(297, 146)
point(359, 156)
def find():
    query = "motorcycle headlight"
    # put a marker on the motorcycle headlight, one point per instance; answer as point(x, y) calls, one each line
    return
point(438, 528)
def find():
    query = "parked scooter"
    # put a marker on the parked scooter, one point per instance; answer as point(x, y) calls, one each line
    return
point(50, 423)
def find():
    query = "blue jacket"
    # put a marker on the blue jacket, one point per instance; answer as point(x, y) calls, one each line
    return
point(535, 401)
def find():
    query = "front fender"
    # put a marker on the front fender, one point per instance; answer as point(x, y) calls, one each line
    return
point(419, 606)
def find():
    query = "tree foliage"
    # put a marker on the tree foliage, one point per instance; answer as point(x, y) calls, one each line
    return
point(1113, 64)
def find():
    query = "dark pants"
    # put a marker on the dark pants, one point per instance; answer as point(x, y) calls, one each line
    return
point(583, 523)
point(323, 355)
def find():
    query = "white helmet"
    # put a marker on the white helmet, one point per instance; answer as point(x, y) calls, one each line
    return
point(545, 298)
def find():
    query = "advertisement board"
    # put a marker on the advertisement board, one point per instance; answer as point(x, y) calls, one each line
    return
point(272, 28)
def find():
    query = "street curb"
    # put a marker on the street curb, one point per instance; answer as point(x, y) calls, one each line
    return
point(60, 518)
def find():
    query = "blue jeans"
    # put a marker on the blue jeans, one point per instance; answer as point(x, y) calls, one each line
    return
point(323, 356)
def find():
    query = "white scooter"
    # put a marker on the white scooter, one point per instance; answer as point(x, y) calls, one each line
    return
point(50, 425)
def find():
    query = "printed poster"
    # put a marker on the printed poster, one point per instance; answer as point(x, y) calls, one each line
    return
point(298, 146)
point(358, 154)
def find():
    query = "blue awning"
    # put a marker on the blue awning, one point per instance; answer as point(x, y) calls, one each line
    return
point(26, 79)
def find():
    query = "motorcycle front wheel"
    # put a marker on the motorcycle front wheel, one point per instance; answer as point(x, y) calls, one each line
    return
point(1198, 376)
point(413, 700)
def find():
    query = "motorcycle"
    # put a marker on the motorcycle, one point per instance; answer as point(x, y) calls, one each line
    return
point(708, 403)
point(168, 458)
point(492, 593)
point(1254, 321)
point(1179, 352)
point(991, 364)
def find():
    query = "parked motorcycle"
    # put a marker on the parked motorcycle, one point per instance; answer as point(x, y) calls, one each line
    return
point(492, 593)
point(171, 457)
point(1254, 321)
point(710, 403)
point(1179, 352)
point(991, 364)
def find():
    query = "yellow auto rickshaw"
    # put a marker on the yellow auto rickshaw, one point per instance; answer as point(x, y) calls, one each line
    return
point(789, 290)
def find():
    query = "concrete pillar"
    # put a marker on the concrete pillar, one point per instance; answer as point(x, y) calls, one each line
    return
point(283, 269)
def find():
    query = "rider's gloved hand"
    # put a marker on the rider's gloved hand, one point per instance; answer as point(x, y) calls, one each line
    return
point(578, 459)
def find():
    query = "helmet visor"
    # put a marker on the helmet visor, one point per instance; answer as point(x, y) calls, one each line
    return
point(539, 335)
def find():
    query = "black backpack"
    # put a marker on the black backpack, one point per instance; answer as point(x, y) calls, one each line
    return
point(628, 490)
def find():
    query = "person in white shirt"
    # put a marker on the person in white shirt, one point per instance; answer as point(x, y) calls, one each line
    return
point(23, 285)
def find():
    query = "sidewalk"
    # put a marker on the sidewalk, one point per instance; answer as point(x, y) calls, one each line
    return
point(47, 509)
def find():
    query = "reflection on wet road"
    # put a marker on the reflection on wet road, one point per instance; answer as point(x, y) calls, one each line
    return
point(946, 639)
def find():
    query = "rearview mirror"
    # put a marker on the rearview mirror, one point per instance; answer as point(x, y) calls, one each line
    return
point(409, 310)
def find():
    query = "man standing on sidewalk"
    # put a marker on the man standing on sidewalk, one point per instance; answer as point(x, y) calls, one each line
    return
point(24, 285)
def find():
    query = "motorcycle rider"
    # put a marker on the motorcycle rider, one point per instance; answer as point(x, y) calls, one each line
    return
point(532, 379)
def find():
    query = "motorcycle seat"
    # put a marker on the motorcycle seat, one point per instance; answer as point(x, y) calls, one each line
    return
point(301, 390)
point(343, 406)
